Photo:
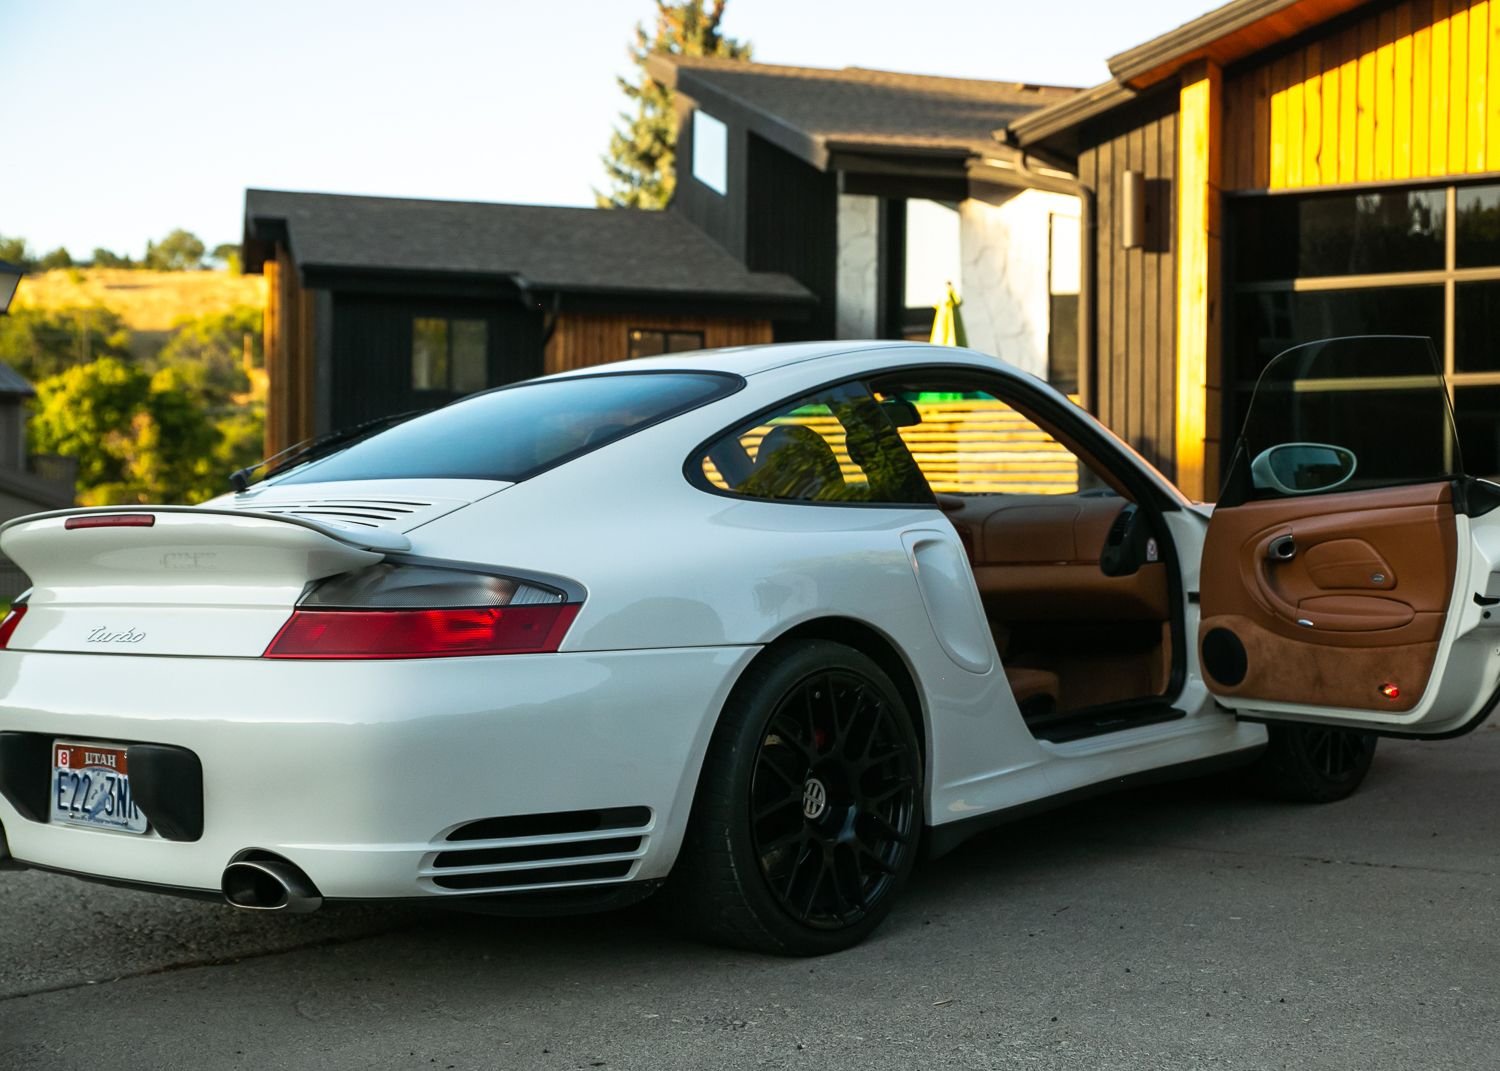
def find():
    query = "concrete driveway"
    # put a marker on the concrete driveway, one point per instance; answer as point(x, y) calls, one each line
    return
point(1185, 927)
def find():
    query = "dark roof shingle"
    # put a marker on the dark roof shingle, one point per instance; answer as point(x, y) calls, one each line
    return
point(856, 108)
point(544, 247)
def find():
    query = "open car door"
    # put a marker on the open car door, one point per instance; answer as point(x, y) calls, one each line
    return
point(1349, 575)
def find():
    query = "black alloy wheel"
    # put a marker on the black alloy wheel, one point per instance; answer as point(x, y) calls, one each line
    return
point(1312, 763)
point(809, 806)
point(833, 799)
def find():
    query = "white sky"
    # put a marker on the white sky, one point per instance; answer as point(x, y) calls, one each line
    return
point(122, 121)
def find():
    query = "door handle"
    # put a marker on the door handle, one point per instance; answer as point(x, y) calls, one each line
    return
point(1282, 549)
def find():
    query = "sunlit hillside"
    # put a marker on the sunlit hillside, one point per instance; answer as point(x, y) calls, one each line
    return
point(149, 302)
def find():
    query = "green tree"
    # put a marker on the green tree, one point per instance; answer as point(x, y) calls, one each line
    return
point(43, 342)
point(58, 258)
point(137, 437)
point(14, 251)
point(179, 251)
point(103, 258)
point(224, 345)
point(642, 149)
point(227, 254)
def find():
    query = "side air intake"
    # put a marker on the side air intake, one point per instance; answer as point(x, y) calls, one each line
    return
point(559, 849)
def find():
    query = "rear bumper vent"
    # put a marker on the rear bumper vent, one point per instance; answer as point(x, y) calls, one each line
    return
point(559, 849)
point(554, 823)
point(554, 875)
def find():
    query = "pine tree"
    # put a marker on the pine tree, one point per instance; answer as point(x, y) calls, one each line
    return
point(642, 150)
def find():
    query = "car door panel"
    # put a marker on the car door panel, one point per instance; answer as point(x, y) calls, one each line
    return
point(1359, 605)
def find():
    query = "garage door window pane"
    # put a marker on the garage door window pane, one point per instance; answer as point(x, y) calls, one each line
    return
point(1476, 347)
point(1478, 237)
point(1477, 412)
point(1339, 234)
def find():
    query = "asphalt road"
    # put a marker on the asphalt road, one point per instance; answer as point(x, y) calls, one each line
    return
point(1185, 927)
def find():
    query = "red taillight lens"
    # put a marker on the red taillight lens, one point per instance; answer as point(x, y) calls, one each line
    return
point(423, 633)
point(8, 626)
point(111, 520)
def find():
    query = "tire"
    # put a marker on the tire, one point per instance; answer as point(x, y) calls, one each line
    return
point(809, 807)
point(1312, 763)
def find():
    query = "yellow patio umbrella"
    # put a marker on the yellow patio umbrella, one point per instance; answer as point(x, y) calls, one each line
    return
point(948, 322)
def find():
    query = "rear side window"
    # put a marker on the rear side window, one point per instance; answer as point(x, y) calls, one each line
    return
point(516, 432)
point(837, 446)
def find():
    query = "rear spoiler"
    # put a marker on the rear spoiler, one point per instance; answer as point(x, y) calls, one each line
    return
point(378, 540)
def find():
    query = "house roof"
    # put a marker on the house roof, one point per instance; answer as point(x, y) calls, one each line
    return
point(1225, 35)
point(815, 112)
point(537, 247)
point(13, 384)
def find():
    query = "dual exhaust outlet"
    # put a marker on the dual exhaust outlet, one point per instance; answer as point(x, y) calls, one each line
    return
point(270, 884)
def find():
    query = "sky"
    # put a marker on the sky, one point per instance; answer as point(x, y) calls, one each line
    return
point(123, 121)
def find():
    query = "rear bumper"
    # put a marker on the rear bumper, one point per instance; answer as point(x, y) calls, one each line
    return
point(358, 771)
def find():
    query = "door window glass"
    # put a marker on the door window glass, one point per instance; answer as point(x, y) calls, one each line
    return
point(1348, 414)
point(838, 446)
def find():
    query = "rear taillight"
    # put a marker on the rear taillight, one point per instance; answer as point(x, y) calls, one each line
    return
point(420, 611)
point(8, 626)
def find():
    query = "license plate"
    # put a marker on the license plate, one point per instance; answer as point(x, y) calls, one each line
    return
point(91, 787)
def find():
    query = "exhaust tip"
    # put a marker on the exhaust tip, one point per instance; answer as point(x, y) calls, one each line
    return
point(270, 884)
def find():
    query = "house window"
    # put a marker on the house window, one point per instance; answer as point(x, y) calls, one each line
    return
point(449, 355)
point(1406, 261)
point(649, 341)
point(710, 152)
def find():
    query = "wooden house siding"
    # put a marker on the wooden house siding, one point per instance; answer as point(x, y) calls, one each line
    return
point(794, 207)
point(289, 342)
point(582, 340)
point(1133, 387)
point(1408, 91)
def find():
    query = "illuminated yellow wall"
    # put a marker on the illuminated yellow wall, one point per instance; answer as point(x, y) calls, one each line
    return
point(1409, 92)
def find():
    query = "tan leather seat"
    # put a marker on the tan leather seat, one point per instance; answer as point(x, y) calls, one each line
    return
point(1037, 691)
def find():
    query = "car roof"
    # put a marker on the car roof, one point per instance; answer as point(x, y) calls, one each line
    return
point(754, 360)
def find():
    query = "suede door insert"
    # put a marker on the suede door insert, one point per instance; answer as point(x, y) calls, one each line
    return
point(1332, 597)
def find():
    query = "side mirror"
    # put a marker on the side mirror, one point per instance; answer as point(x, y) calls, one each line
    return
point(1302, 468)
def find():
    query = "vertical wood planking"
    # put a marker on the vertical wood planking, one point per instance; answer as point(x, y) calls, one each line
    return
point(1458, 86)
point(1478, 83)
point(1328, 150)
point(1135, 292)
point(1492, 86)
point(1199, 179)
point(1312, 123)
point(1421, 87)
point(1106, 241)
point(1384, 99)
point(1262, 160)
point(1296, 117)
point(1279, 129)
point(1349, 107)
point(1401, 93)
point(1437, 154)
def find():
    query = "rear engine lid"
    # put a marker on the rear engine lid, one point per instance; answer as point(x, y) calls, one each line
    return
point(390, 505)
point(175, 580)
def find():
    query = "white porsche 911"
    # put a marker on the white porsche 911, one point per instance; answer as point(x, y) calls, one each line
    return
point(755, 625)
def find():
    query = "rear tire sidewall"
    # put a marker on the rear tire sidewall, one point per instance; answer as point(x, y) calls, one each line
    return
point(1289, 768)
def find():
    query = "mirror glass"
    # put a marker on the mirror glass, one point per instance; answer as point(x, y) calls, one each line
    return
point(1302, 468)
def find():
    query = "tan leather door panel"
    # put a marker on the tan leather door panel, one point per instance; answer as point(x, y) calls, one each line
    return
point(1326, 600)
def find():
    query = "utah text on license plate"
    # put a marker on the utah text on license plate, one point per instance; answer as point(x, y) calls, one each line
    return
point(91, 787)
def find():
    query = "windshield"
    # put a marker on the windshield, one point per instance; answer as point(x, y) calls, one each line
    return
point(515, 432)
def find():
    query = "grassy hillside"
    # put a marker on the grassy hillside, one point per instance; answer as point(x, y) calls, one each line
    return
point(149, 302)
